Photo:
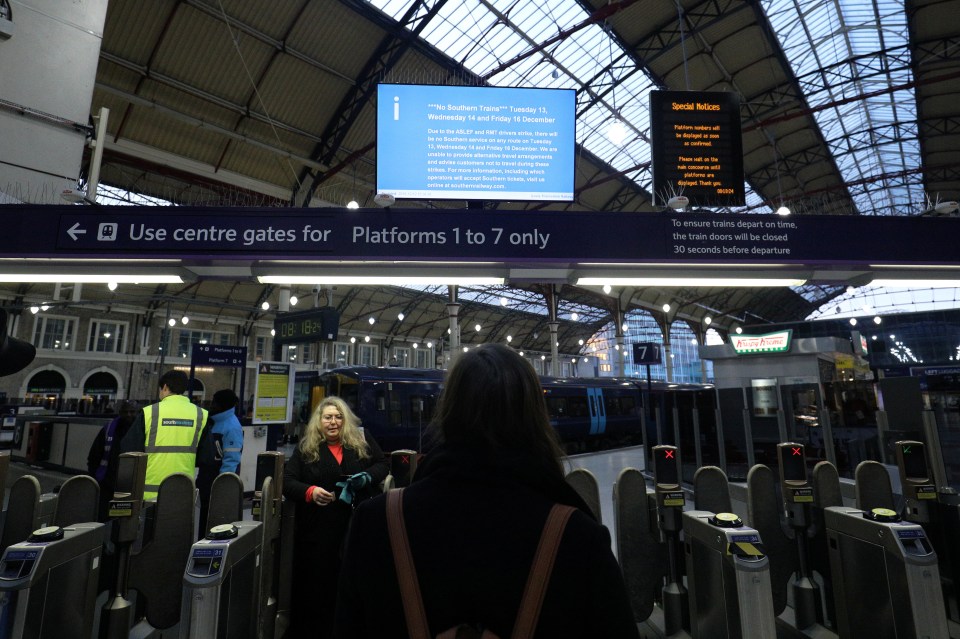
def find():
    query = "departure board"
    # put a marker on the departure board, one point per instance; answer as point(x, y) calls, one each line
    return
point(697, 150)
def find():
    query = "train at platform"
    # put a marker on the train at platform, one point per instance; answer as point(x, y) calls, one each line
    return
point(396, 405)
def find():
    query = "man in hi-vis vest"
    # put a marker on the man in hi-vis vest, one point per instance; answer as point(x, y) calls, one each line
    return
point(168, 432)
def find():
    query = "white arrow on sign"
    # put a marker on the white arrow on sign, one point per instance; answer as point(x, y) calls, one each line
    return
point(75, 231)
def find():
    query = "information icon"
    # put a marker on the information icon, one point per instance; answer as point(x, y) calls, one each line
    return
point(107, 232)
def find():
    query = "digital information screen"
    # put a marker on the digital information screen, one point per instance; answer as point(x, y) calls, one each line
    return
point(476, 143)
point(313, 325)
point(697, 148)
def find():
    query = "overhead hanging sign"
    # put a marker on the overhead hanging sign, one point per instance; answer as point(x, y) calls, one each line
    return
point(217, 355)
point(514, 237)
point(696, 147)
point(778, 342)
point(301, 327)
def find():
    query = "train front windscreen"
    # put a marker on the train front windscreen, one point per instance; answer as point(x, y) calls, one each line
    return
point(344, 387)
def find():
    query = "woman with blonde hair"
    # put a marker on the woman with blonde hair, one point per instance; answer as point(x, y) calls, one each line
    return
point(334, 467)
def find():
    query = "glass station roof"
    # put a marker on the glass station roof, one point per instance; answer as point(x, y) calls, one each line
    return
point(845, 75)
point(840, 52)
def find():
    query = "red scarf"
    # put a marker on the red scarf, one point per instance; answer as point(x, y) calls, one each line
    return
point(337, 450)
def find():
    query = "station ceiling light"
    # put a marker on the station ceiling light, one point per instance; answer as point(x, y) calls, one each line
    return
point(692, 282)
point(380, 280)
point(90, 278)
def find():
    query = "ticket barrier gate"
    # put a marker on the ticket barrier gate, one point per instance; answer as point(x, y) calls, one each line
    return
point(728, 577)
point(732, 605)
point(885, 576)
point(48, 583)
point(670, 502)
point(116, 616)
point(792, 530)
point(267, 509)
point(231, 580)
point(28, 509)
point(638, 547)
point(937, 510)
point(648, 529)
point(221, 583)
point(152, 542)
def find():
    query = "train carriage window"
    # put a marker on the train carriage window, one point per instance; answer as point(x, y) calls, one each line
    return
point(628, 405)
point(577, 406)
point(345, 388)
point(395, 417)
point(421, 409)
point(350, 393)
point(557, 407)
point(612, 405)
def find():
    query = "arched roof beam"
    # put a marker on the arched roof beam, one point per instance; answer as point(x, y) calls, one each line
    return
point(400, 37)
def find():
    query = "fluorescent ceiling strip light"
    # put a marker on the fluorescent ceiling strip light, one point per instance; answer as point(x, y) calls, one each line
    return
point(690, 265)
point(935, 267)
point(369, 263)
point(91, 278)
point(728, 282)
point(917, 283)
point(86, 261)
point(374, 280)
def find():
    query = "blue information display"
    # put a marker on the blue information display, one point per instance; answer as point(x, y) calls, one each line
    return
point(476, 143)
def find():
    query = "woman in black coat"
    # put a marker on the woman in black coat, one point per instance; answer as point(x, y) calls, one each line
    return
point(474, 514)
point(332, 451)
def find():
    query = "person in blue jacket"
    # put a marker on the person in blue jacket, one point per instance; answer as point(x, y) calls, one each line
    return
point(219, 449)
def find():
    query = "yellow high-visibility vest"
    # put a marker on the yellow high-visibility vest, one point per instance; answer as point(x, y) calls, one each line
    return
point(173, 428)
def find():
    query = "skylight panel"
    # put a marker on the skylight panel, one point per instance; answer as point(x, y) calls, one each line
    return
point(582, 55)
point(876, 299)
point(393, 8)
point(841, 34)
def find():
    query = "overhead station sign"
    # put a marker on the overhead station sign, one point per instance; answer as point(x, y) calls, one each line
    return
point(697, 148)
point(509, 237)
point(217, 355)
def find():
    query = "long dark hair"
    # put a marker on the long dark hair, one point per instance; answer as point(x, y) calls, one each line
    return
point(492, 400)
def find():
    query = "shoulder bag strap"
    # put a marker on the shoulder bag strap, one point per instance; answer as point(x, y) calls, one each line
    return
point(540, 572)
point(413, 609)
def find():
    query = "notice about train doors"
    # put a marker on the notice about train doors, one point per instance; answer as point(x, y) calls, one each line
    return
point(697, 147)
